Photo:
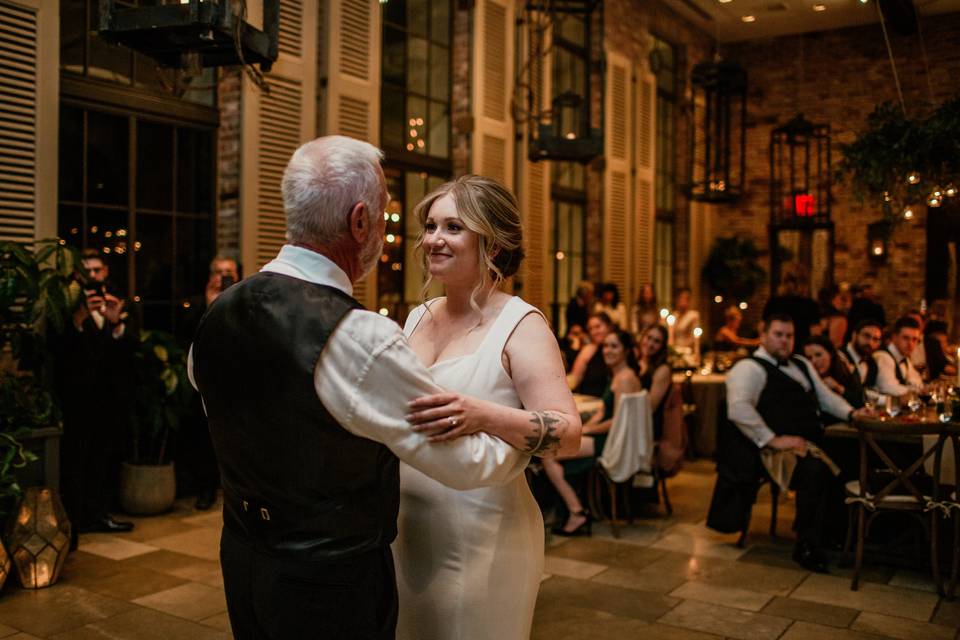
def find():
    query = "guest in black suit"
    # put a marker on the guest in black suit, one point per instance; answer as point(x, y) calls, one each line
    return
point(94, 369)
point(858, 354)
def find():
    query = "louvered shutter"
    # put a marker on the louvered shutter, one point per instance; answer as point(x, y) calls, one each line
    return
point(644, 205)
point(492, 140)
point(28, 119)
point(350, 85)
point(274, 125)
point(618, 228)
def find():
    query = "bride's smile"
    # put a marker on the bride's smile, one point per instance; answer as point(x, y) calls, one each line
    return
point(451, 248)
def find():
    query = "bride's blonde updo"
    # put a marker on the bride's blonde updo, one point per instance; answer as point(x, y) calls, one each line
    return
point(489, 210)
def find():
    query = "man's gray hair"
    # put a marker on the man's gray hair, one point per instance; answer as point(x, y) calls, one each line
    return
point(324, 179)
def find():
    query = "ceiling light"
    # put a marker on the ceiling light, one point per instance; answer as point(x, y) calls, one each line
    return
point(725, 1)
point(749, 18)
point(819, 7)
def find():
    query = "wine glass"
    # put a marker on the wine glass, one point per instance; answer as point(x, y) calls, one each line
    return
point(945, 409)
point(913, 402)
point(892, 406)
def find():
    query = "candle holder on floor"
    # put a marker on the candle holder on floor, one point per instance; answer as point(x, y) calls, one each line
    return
point(39, 538)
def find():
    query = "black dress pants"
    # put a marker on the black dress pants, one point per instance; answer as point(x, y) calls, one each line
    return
point(283, 598)
point(88, 450)
point(812, 480)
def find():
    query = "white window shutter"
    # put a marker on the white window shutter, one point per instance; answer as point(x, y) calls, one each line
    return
point(618, 228)
point(274, 124)
point(492, 139)
point(645, 207)
point(28, 119)
point(350, 85)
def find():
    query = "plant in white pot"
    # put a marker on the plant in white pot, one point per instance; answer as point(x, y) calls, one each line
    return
point(163, 392)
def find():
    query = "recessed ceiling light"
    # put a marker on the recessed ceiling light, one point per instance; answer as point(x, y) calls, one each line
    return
point(749, 18)
point(864, 1)
point(725, 1)
point(819, 7)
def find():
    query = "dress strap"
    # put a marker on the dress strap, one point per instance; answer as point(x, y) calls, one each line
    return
point(414, 317)
point(503, 327)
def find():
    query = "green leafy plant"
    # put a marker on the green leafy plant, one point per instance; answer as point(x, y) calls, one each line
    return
point(733, 268)
point(163, 394)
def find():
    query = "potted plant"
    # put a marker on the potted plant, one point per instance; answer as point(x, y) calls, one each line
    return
point(733, 269)
point(147, 484)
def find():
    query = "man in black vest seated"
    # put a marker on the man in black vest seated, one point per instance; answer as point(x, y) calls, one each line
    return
point(306, 395)
point(774, 399)
point(858, 353)
point(896, 375)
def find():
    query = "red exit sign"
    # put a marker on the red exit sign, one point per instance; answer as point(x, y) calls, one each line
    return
point(803, 205)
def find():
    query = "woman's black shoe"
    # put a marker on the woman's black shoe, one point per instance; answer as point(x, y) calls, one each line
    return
point(582, 530)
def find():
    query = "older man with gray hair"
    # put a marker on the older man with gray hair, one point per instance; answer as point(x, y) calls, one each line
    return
point(306, 394)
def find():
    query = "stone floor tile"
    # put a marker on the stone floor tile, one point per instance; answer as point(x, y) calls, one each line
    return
point(221, 622)
point(47, 611)
point(203, 543)
point(771, 554)
point(212, 518)
point(910, 579)
point(21, 636)
point(150, 527)
point(126, 583)
point(112, 545)
point(608, 553)
point(811, 612)
point(571, 568)
point(700, 545)
point(879, 598)
point(191, 601)
point(577, 623)
point(812, 631)
point(948, 614)
point(642, 580)
point(87, 564)
point(733, 597)
point(638, 533)
point(143, 624)
point(6, 631)
point(778, 581)
point(568, 592)
point(732, 623)
point(900, 628)
point(689, 567)
point(182, 566)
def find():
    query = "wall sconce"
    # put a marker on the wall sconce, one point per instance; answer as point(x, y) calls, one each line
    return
point(878, 233)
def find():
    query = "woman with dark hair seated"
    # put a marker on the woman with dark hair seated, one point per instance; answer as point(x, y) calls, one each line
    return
point(826, 361)
point(655, 373)
point(588, 373)
point(935, 345)
point(622, 365)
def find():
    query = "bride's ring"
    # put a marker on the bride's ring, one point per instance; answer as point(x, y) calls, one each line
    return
point(453, 421)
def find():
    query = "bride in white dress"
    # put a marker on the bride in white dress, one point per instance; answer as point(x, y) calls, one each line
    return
point(469, 563)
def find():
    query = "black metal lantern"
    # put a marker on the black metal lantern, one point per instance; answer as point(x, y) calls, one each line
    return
point(718, 143)
point(172, 32)
point(566, 124)
point(878, 234)
point(800, 174)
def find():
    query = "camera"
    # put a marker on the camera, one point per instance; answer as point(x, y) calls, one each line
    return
point(92, 289)
point(226, 280)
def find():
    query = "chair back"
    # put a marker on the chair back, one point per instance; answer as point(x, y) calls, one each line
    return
point(630, 446)
point(898, 484)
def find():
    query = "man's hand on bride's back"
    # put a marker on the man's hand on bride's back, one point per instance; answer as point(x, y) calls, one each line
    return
point(445, 416)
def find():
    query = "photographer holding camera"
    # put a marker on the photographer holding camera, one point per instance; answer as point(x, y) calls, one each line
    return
point(196, 449)
point(94, 373)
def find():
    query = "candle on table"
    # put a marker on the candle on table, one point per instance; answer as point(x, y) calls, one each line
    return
point(671, 320)
point(697, 332)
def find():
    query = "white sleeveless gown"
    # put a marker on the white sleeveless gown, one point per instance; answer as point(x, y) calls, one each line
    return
point(469, 563)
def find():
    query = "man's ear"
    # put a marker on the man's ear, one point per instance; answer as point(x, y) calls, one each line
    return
point(359, 223)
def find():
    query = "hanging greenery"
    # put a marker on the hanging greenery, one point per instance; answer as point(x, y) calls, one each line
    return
point(899, 162)
point(733, 268)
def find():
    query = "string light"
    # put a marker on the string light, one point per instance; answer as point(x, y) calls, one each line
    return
point(913, 178)
point(950, 191)
point(718, 299)
point(908, 214)
point(744, 305)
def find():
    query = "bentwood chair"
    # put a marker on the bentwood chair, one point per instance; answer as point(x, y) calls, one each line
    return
point(892, 489)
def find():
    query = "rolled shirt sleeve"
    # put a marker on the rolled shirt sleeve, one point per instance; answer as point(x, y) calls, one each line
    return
point(365, 377)
point(745, 383)
point(887, 382)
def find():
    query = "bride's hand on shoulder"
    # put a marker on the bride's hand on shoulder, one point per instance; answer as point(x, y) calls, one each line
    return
point(445, 416)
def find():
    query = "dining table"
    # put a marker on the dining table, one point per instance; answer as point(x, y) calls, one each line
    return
point(709, 394)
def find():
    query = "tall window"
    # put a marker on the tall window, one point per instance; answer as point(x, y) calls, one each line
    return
point(137, 166)
point(568, 193)
point(663, 59)
point(415, 135)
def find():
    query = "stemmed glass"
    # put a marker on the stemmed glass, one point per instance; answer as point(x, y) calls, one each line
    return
point(913, 402)
point(893, 406)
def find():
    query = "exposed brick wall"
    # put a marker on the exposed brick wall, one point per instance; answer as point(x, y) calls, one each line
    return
point(838, 77)
point(228, 163)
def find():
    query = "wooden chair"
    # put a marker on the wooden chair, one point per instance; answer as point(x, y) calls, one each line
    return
point(950, 506)
point(875, 438)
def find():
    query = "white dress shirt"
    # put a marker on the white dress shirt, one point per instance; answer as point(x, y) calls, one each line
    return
point(683, 328)
point(746, 381)
point(855, 361)
point(887, 363)
point(367, 374)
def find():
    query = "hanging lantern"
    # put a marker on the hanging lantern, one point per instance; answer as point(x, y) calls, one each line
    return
point(718, 144)
point(878, 234)
point(39, 537)
point(800, 174)
point(212, 32)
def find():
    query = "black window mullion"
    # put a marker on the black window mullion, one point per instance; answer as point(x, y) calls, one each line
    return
point(131, 201)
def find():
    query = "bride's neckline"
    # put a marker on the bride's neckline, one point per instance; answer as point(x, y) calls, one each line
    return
point(483, 342)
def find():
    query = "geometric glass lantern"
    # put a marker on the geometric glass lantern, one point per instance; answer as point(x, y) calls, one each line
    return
point(719, 131)
point(4, 565)
point(800, 174)
point(174, 32)
point(39, 537)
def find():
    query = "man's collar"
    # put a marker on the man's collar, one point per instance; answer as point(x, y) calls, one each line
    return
point(897, 356)
point(766, 355)
point(853, 353)
point(306, 264)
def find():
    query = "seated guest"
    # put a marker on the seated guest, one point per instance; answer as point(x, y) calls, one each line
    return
point(834, 372)
point(622, 365)
point(935, 341)
point(865, 306)
point(687, 320)
point(833, 325)
point(858, 354)
point(655, 372)
point(728, 337)
point(589, 374)
point(580, 305)
point(645, 312)
point(919, 355)
point(571, 344)
point(896, 375)
point(774, 399)
point(609, 303)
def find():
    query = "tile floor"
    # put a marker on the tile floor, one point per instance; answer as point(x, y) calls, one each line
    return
point(666, 578)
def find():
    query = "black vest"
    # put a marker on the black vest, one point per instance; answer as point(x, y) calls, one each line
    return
point(295, 482)
point(872, 369)
point(786, 407)
point(896, 366)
